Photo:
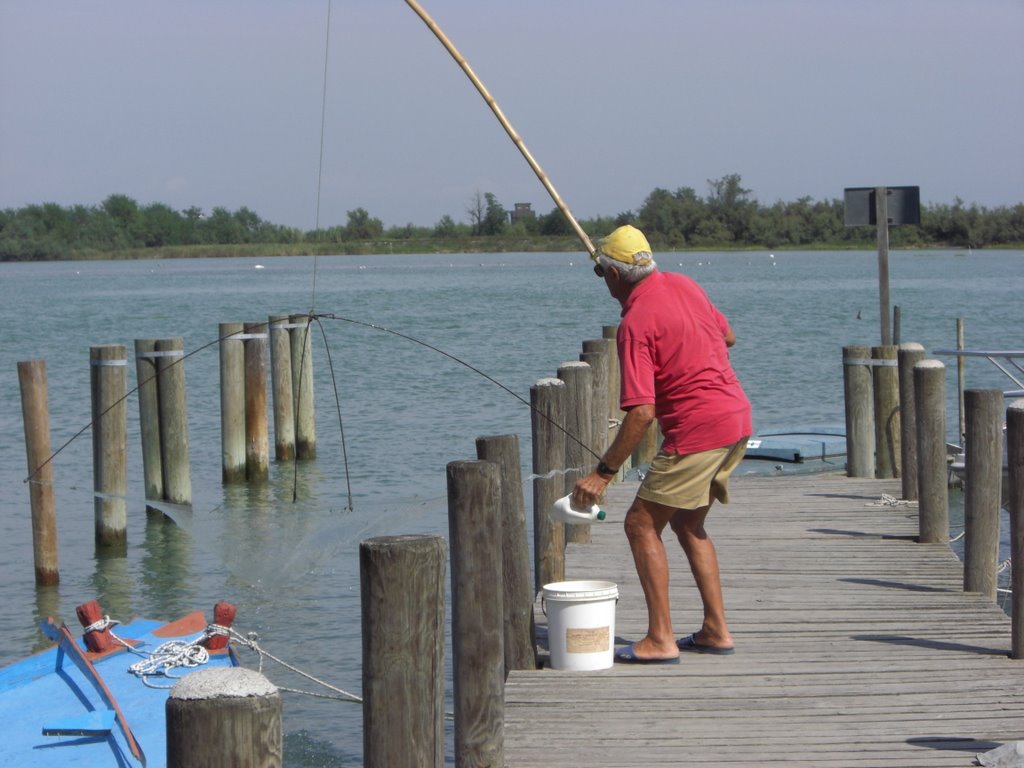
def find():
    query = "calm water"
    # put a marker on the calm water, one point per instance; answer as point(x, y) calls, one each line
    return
point(292, 567)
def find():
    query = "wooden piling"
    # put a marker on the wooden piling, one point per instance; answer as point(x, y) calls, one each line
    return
point(860, 414)
point(402, 589)
point(885, 386)
point(930, 435)
point(1015, 468)
point(595, 354)
point(579, 424)
point(478, 659)
point(36, 418)
point(983, 410)
point(257, 441)
point(302, 386)
point(109, 386)
point(960, 377)
point(547, 404)
point(149, 418)
point(615, 414)
point(170, 365)
point(517, 599)
point(907, 356)
point(232, 402)
point(224, 716)
point(281, 387)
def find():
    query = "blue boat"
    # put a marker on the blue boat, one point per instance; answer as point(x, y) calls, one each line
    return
point(799, 444)
point(68, 706)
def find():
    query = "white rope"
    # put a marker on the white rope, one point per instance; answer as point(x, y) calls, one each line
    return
point(101, 624)
point(250, 642)
point(891, 501)
point(167, 657)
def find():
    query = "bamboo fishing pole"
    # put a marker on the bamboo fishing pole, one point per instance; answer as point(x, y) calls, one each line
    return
point(516, 138)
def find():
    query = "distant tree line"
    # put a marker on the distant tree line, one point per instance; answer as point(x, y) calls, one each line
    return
point(728, 216)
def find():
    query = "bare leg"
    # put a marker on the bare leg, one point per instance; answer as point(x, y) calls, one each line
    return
point(688, 525)
point(644, 523)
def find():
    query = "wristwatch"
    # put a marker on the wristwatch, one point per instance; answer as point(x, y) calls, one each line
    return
point(604, 469)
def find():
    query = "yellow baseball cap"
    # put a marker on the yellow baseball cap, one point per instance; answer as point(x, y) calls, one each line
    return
point(625, 244)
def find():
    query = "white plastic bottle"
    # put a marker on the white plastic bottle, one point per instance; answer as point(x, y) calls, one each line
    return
point(563, 511)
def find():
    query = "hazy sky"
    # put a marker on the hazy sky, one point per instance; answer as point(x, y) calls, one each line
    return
point(218, 102)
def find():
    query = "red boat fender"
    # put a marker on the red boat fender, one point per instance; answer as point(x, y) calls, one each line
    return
point(97, 637)
point(223, 615)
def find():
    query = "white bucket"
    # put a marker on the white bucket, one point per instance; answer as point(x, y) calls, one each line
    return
point(581, 623)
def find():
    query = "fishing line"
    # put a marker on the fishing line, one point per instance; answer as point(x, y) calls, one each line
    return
point(474, 369)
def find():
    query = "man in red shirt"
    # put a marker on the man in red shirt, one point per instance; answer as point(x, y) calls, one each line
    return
point(673, 354)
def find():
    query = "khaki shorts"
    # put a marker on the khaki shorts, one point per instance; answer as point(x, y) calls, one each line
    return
point(691, 481)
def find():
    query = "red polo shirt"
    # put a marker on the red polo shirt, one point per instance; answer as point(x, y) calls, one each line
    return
point(672, 353)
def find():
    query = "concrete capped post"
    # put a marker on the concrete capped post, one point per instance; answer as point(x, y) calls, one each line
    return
point(224, 716)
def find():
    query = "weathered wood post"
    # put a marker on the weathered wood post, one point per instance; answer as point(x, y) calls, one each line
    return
point(882, 236)
point(224, 716)
point(579, 424)
point(930, 434)
point(1015, 468)
point(860, 414)
point(149, 419)
point(595, 354)
point(232, 402)
point(908, 355)
point(615, 414)
point(547, 409)
point(402, 587)
point(517, 599)
point(109, 384)
point(36, 418)
point(960, 376)
point(257, 441)
point(885, 383)
point(281, 387)
point(478, 658)
point(302, 386)
point(170, 366)
point(982, 488)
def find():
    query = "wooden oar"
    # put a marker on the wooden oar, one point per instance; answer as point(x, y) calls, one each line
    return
point(516, 139)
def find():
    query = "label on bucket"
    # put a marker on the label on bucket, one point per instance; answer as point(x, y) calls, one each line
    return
point(593, 640)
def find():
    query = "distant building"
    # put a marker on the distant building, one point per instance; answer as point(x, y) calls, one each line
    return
point(520, 212)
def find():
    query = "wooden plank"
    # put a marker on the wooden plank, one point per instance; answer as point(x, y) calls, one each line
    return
point(856, 646)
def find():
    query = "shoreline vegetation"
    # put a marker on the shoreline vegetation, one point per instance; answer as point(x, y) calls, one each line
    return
point(728, 218)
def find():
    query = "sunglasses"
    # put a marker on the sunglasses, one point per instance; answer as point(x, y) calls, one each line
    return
point(599, 270)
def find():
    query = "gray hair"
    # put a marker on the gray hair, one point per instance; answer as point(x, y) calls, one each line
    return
point(631, 273)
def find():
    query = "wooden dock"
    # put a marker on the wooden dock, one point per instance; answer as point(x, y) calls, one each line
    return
point(856, 646)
